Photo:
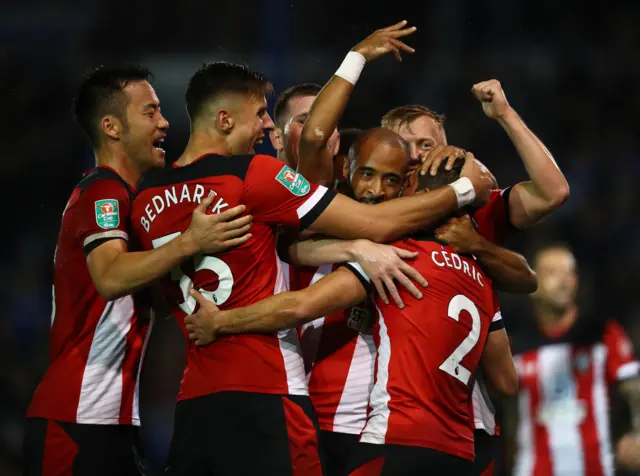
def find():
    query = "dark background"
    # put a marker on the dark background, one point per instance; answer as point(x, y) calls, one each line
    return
point(570, 68)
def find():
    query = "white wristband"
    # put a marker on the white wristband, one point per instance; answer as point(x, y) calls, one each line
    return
point(465, 192)
point(351, 67)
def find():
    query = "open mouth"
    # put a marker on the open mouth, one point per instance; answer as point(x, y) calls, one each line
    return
point(158, 145)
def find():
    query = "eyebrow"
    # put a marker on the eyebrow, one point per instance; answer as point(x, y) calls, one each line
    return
point(152, 105)
point(303, 115)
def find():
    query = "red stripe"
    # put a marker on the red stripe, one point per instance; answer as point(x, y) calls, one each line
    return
point(584, 379)
point(303, 440)
point(542, 465)
point(130, 365)
point(59, 452)
point(370, 468)
point(488, 471)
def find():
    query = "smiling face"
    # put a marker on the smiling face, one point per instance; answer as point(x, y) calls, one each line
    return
point(422, 135)
point(251, 122)
point(145, 127)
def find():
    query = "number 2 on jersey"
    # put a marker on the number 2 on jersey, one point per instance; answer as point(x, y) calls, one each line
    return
point(452, 365)
point(200, 263)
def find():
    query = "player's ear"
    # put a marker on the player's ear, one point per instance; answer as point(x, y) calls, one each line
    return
point(224, 121)
point(111, 126)
point(275, 135)
point(346, 169)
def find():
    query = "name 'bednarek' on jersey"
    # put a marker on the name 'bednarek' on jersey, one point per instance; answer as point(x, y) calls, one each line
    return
point(274, 195)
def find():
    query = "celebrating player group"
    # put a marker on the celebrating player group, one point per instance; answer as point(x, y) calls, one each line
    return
point(338, 302)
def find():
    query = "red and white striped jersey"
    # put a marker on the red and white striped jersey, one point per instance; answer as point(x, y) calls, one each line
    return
point(274, 195)
point(564, 403)
point(339, 354)
point(493, 223)
point(428, 353)
point(95, 346)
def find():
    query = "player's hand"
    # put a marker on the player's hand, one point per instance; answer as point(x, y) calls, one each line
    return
point(443, 153)
point(385, 40)
point(480, 177)
point(218, 232)
point(460, 234)
point(201, 325)
point(384, 264)
point(490, 94)
point(628, 452)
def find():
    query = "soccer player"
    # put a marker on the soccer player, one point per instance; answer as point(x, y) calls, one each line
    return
point(567, 365)
point(514, 208)
point(259, 378)
point(432, 421)
point(83, 416)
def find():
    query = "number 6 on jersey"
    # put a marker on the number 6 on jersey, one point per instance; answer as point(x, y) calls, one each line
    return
point(200, 263)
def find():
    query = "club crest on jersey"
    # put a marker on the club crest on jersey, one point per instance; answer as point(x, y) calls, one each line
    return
point(359, 319)
point(293, 181)
point(107, 214)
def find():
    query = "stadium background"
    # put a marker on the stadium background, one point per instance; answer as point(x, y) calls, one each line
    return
point(570, 68)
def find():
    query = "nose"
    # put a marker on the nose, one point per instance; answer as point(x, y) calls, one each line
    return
point(375, 188)
point(415, 153)
point(163, 124)
point(267, 122)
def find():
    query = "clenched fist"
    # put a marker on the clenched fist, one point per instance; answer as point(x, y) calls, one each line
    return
point(491, 95)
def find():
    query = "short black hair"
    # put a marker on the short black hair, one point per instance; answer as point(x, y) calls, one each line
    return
point(221, 77)
point(102, 92)
point(443, 176)
point(299, 90)
point(347, 138)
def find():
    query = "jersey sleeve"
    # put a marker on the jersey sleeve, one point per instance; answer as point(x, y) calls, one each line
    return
point(275, 194)
point(364, 278)
point(621, 360)
point(101, 213)
point(496, 321)
point(492, 220)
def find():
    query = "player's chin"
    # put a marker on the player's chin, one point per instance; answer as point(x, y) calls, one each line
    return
point(158, 157)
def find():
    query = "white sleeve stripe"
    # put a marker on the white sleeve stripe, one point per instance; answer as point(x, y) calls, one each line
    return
point(497, 317)
point(628, 370)
point(312, 201)
point(106, 234)
point(356, 267)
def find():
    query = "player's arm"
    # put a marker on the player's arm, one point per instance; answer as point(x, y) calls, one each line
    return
point(497, 361)
point(340, 289)
point(314, 163)
point(509, 270)
point(548, 188)
point(383, 264)
point(628, 447)
point(117, 272)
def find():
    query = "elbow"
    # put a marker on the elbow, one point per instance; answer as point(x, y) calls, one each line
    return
point(313, 137)
point(560, 196)
point(108, 291)
point(530, 283)
point(508, 385)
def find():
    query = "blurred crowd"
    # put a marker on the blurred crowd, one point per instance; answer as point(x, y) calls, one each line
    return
point(569, 68)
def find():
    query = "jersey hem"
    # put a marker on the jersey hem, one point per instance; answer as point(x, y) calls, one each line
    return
point(468, 455)
point(242, 388)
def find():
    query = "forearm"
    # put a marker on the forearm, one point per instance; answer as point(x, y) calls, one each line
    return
point(128, 272)
point(509, 270)
point(548, 187)
point(314, 163)
point(320, 250)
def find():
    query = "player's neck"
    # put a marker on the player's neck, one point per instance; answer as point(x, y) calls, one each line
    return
point(202, 143)
point(554, 322)
point(120, 164)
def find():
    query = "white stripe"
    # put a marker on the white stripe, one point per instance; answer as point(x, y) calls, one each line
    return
point(526, 449)
point(360, 271)
point(101, 390)
point(483, 417)
point(378, 421)
point(497, 317)
point(628, 370)
point(290, 345)
point(562, 412)
point(351, 414)
point(135, 413)
point(105, 234)
point(311, 202)
point(601, 408)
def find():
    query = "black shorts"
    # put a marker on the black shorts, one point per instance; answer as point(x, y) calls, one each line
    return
point(396, 460)
point(487, 450)
point(71, 449)
point(336, 450)
point(243, 433)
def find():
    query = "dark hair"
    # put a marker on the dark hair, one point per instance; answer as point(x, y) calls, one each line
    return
point(299, 90)
point(220, 77)
point(442, 178)
point(379, 135)
point(102, 92)
point(402, 115)
point(347, 138)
